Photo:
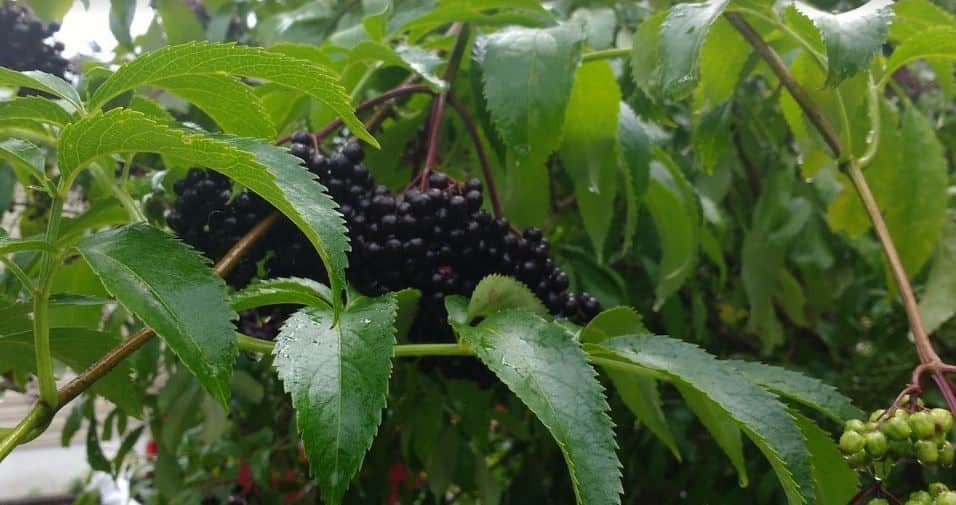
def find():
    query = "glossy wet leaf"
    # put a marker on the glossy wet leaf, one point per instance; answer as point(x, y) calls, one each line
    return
point(544, 366)
point(41, 81)
point(852, 37)
point(171, 288)
point(36, 108)
point(801, 388)
point(338, 379)
point(281, 291)
point(682, 36)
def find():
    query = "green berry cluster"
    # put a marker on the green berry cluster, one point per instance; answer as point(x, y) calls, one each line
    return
point(938, 494)
point(923, 434)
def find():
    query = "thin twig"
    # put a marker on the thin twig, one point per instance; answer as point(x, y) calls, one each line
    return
point(923, 346)
point(472, 129)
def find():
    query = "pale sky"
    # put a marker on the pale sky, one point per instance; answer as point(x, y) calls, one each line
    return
point(82, 26)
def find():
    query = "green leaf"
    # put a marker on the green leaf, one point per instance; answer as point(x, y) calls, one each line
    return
point(205, 58)
point(179, 21)
point(443, 461)
point(498, 292)
point(281, 291)
point(526, 114)
point(852, 37)
point(723, 428)
point(634, 150)
point(407, 310)
point(50, 10)
point(121, 18)
point(269, 171)
point(172, 289)
point(42, 82)
point(543, 365)
point(937, 43)
point(938, 303)
point(798, 387)
point(759, 414)
point(418, 60)
point(645, 59)
point(588, 151)
point(835, 482)
point(231, 104)
point(25, 158)
point(674, 209)
point(915, 16)
point(722, 60)
point(338, 379)
point(639, 393)
point(36, 108)
point(682, 36)
point(94, 453)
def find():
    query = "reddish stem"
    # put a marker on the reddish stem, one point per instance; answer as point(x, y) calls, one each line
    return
point(434, 131)
point(472, 129)
point(946, 389)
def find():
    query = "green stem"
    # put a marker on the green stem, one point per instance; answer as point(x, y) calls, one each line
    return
point(37, 416)
point(419, 350)
point(607, 54)
point(41, 317)
point(252, 344)
point(119, 193)
point(18, 272)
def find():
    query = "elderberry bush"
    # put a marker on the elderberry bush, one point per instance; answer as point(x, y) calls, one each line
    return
point(23, 43)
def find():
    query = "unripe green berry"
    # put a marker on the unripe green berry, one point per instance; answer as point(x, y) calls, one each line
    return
point(943, 419)
point(902, 414)
point(896, 429)
point(851, 442)
point(946, 454)
point(853, 425)
point(937, 488)
point(920, 498)
point(858, 459)
point(878, 501)
point(876, 415)
point(876, 444)
point(946, 498)
point(927, 452)
point(922, 425)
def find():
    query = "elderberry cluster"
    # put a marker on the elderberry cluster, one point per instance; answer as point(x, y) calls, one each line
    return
point(433, 237)
point(207, 217)
point(938, 494)
point(22, 45)
point(922, 434)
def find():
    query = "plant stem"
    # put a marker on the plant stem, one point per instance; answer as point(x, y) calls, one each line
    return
point(472, 129)
point(18, 272)
point(438, 105)
point(36, 417)
point(41, 317)
point(235, 253)
point(607, 54)
point(923, 346)
point(252, 344)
